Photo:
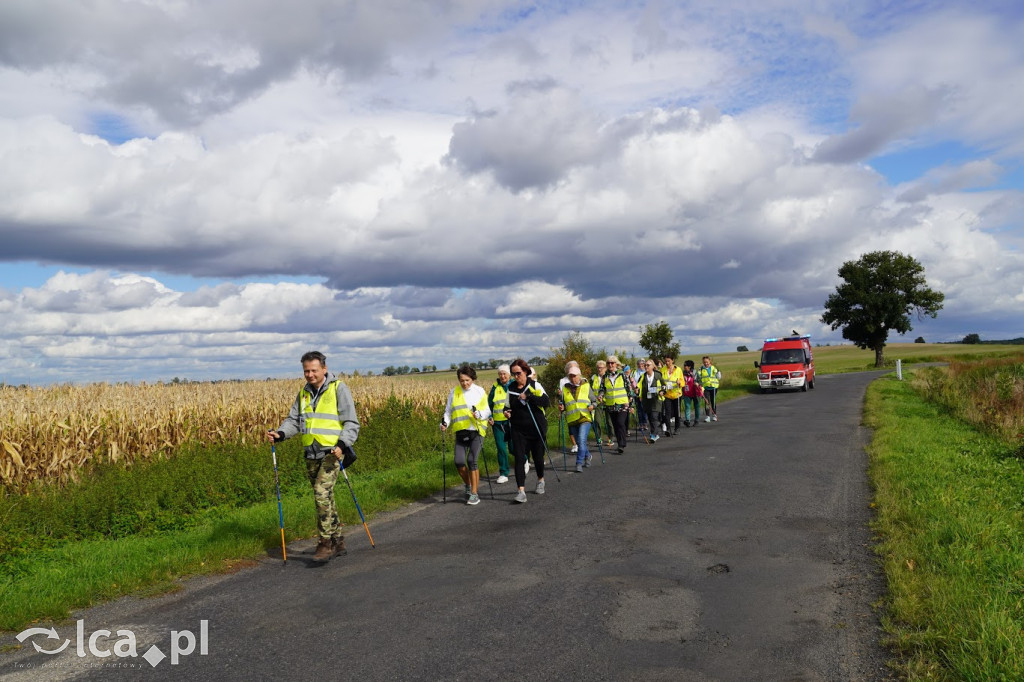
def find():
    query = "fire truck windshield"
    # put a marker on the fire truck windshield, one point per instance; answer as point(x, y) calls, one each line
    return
point(782, 356)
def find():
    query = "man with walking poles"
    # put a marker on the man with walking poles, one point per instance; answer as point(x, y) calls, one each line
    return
point(325, 414)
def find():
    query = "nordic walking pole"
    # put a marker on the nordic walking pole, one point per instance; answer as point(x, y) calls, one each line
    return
point(444, 474)
point(280, 511)
point(598, 432)
point(481, 430)
point(483, 456)
point(358, 508)
point(561, 437)
point(544, 442)
point(709, 407)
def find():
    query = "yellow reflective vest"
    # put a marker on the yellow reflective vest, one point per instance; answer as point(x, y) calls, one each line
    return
point(614, 386)
point(708, 376)
point(499, 402)
point(323, 424)
point(676, 378)
point(462, 414)
point(576, 408)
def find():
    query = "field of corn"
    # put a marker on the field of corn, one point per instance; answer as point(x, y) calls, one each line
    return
point(53, 434)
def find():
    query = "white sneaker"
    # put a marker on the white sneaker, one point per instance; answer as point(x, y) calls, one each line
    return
point(540, 488)
point(502, 479)
point(527, 466)
point(575, 448)
point(715, 418)
point(707, 419)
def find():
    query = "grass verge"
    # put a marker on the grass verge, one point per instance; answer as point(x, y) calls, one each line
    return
point(951, 521)
point(52, 581)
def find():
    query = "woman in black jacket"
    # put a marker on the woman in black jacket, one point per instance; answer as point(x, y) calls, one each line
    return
point(525, 411)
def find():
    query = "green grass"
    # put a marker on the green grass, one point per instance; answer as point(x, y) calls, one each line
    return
point(48, 582)
point(950, 518)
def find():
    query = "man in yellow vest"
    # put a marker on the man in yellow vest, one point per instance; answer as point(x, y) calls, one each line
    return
point(325, 414)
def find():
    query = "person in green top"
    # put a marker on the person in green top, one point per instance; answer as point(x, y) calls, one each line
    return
point(497, 400)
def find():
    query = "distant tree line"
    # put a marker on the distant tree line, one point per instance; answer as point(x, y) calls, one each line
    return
point(975, 338)
point(490, 363)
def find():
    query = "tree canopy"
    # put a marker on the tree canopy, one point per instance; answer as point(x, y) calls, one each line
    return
point(656, 339)
point(878, 295)
point(575, 346)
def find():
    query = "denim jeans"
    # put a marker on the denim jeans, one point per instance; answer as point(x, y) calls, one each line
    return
point(579, 431)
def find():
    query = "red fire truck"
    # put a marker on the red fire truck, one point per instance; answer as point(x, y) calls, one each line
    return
point(786, 363)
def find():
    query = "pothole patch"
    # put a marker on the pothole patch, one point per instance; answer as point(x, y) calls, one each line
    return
point(656, 615)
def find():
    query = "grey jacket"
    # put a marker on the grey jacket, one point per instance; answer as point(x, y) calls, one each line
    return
point(346, 411)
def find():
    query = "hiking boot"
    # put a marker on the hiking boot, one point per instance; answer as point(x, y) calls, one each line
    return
point(324, 550)
point(473, 499)
point(579, 468)
point(338, 546)
point(540, 487)
point(521, 497)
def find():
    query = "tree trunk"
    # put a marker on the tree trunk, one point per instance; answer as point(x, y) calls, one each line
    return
point(880, 356)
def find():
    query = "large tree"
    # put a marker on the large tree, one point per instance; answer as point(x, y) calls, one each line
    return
point(656, 339)
point(878, 294)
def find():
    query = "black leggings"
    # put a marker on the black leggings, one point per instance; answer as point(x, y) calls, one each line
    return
point(522, 447)
point(672, 413)
point(620, 418)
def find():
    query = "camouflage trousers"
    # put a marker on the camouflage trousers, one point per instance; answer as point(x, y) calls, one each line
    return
point(323, 474)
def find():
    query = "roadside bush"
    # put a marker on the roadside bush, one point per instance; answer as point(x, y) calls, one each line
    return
point(576, 347)
point(986, 392)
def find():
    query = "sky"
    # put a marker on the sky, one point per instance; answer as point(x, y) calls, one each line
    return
point(208, 190)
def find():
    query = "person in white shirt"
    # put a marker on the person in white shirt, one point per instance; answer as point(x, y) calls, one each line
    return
point(467, 412)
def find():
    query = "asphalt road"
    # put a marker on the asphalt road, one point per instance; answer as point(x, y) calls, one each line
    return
point(738, 550)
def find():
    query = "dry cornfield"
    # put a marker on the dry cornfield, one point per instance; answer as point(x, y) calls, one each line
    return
point(51, 434)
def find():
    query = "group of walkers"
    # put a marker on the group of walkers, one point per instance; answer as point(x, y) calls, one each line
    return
point(515, 409)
